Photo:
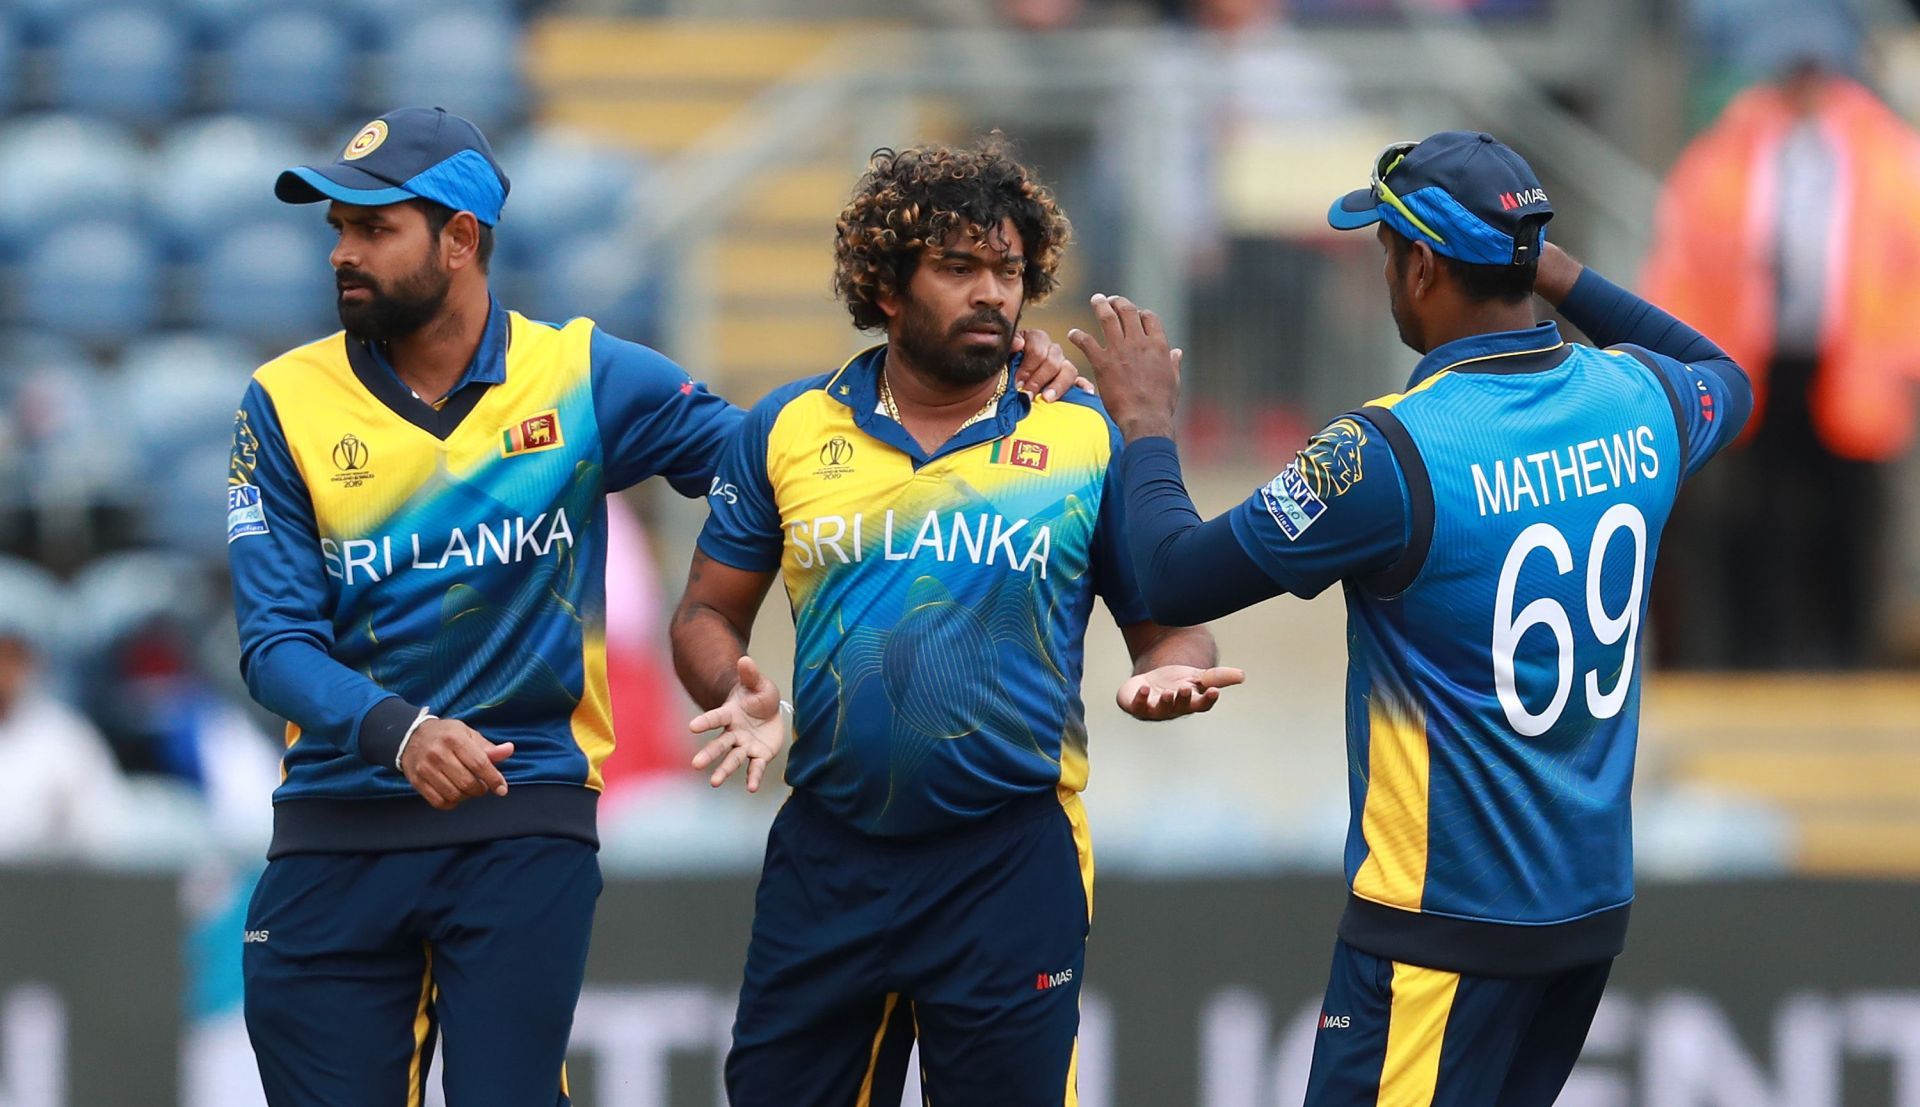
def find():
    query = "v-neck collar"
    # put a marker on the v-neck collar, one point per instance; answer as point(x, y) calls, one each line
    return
point(488, 368)
point(857, 385)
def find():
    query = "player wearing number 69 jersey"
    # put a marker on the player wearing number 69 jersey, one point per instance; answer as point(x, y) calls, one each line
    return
point(1494, 527)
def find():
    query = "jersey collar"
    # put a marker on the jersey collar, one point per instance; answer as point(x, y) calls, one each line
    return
point(489, 364)
point(857, 385)
point(1537, 348)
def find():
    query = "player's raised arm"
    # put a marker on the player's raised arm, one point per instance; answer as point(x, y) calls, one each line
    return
point(1713, 397)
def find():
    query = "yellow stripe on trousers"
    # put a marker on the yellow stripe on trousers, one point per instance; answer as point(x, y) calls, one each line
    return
point(422, 1029)
point(1416, 1027)
point(865, 1099)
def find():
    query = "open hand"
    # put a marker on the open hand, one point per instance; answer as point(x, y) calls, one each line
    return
point(752, 732)
point(1175, 690)
point(1139, 375)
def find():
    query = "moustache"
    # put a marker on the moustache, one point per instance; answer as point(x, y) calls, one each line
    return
point(983, 319)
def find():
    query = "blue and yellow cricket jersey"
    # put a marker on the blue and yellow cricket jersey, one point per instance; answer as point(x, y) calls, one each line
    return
point(1496, 527)
point(389, 555)
point(939, 601)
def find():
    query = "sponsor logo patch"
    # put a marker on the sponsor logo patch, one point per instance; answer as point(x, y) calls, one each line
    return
point(1291, 502)
point(245, 513)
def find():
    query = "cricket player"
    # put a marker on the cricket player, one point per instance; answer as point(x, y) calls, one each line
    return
point(417, 531)
point(941, 539)
point(1494, 528)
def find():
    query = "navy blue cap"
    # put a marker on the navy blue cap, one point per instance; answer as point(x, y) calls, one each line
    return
point(1471, 191)
point(407, 154)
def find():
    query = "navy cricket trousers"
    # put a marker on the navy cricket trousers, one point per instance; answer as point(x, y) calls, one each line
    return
point(355, 963)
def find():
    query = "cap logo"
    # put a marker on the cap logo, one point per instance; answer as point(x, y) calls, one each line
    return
point(1510, 201)
point(367, 141)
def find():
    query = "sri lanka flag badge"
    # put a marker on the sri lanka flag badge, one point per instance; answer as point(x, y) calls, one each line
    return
point(532, 434)
point(1020, 452)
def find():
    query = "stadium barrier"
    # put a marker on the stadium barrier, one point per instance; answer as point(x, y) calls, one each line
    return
point(1776, 993)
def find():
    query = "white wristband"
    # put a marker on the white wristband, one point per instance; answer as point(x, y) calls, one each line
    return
point(408, 736)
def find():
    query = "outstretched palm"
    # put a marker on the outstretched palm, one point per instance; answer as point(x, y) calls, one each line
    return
point(751, 730)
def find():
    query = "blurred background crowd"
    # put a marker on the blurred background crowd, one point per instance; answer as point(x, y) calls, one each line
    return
point(676, 168)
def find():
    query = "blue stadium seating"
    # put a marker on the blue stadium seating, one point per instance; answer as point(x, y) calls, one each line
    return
point(592, 275)
point(31, 606)
point(213, 173)
point(380, 22)
point(564, 184)
point(97, 280)
point(294, 65)
point(10, 64)
point(64, 448)
point(465, 62)
point(55, 168)
point(266, 282)
point(182, 388)
point(126, 64)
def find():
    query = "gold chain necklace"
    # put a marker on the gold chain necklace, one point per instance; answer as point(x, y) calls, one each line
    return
point(993, 402)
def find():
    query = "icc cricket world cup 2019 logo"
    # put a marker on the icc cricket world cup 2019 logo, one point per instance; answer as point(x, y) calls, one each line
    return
point(836, 458)
point(350, 456)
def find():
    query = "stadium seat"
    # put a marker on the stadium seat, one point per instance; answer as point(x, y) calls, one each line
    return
point(97, 280)
point(596, 276)
point(32, 606)
point(465, 62)
point(265, 282)
point(212, 173)
point(380, 22)
point(40, 22)
point(294, 65)
point(54, 168)
point(564, 185)
point(125, 64)
point(10, 64)
point(59, 445)
point(182, 389)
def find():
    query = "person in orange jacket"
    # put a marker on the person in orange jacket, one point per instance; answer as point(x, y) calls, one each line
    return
point(1788, 234)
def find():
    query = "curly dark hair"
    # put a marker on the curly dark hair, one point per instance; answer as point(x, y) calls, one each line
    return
point(913, 200)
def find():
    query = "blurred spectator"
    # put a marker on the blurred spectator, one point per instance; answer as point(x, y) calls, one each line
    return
point(1788, 234)
point(61, 795)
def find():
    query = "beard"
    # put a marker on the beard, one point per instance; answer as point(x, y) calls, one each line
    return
point(944, 354)
point(395, 309)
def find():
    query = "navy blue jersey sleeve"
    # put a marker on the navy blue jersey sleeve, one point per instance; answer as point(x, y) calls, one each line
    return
point(1713, 393)
point(1189, 572)
point(743, 522)
point(281, 593)
point(655, 420)
point(1114, 579)
point(1338, 511)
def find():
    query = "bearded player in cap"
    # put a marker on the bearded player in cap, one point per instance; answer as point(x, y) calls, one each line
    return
point(417, 531)
point(1494, 528)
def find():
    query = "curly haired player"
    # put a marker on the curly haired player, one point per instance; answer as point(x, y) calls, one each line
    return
point(941, 539)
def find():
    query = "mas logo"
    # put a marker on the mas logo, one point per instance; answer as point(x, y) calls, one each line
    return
point(532, 435)
point(1021, 452)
